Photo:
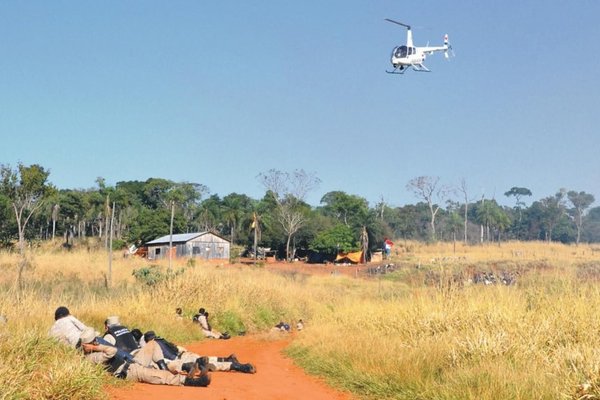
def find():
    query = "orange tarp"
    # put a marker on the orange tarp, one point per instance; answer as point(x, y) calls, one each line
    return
point(355, 257)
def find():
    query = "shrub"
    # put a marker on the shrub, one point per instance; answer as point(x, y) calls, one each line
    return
point(149, 275)
point(231, 321)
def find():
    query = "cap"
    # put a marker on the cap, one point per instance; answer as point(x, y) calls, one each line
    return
point(148, 336)
point(112, 320)
point(137, 334)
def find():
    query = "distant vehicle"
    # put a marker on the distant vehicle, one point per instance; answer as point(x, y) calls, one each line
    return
point(408, 55)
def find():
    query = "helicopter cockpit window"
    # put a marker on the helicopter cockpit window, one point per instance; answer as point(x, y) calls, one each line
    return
point(401, 52)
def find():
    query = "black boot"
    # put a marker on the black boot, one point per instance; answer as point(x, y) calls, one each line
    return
point(202, 361)
point(194, 370)
point(232, 358)
point(162, 365)
point(202, 381)
point(245, 368)
point(187, 367)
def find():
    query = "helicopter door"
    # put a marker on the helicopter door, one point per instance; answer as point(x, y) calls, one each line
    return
point(400, 52)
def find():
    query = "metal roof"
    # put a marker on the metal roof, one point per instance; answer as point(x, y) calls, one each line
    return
point(177, 238)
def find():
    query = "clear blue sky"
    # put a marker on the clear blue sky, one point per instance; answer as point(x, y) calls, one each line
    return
point(218, 92)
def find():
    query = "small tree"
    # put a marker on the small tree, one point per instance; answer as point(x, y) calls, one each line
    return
point(518, 193)
point(553, 209)
point(338, 238)
point(453, 220)
point(26, 188)
point(581, 201)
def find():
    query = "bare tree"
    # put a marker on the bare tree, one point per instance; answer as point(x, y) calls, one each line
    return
point(26, 188)
point(381, 207)
point(465, 197)
point(581, 201)
point(289, 191)
point(426, 188)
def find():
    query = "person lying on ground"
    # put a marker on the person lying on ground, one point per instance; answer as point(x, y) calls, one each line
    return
point(281, 327)
point(99, 351)
point(202, 319)
point(66, 328)
point(119, 336)
point(178, 356)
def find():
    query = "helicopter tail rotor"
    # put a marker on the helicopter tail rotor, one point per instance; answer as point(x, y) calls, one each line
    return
point(448, 47)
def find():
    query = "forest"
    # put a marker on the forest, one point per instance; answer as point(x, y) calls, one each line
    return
point(134, 212)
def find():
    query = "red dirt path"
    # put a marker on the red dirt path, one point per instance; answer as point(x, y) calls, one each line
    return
point(276, 377)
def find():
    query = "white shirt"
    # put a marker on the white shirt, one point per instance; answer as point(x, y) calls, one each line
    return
point(67, 330)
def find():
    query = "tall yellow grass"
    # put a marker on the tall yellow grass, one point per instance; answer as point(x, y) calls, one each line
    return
point(389, 337)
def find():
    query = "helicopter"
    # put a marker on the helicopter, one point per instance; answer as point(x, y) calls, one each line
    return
point(407, 56)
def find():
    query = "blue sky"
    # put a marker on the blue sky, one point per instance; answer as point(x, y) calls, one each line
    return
point(218, 92)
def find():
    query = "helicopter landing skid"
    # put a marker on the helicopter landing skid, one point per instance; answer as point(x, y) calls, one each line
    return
point(396, 71)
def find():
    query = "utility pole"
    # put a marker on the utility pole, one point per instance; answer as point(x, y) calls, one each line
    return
point(481, 222)
point(106, 219)
point(255, 226)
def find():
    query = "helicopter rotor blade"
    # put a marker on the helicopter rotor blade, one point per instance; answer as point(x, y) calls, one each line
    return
point(397, 23)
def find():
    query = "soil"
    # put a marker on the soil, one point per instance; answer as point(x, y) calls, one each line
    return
point(353, 270)
point(276, 378)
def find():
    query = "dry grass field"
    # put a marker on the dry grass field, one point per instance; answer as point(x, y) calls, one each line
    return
point(427, 330)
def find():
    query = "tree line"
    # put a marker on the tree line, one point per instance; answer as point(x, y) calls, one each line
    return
point(134, 212)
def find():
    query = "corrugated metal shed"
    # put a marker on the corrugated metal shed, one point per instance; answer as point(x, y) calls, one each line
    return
point(205, 245)
point(177, 238)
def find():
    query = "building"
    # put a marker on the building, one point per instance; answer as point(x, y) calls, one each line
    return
point(205, 245)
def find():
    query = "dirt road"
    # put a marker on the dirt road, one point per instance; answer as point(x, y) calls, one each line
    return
point(276, 377)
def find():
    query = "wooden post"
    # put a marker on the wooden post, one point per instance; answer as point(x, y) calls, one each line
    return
point(112, 218)
point(255, 226)
point(171, 235)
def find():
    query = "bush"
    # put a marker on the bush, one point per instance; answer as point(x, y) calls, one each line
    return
point(234, 254)
point(149, 275)
point(231, 321)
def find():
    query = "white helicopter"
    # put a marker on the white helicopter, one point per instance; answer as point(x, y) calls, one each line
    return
point(411, 56)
